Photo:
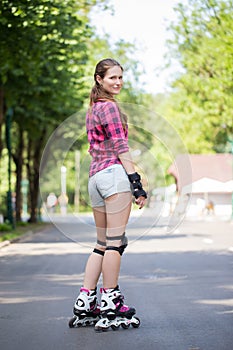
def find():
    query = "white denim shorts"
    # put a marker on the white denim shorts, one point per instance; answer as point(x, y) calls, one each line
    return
point(107, 182)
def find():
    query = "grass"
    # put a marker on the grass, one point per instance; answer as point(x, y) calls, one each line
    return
point(8, 234)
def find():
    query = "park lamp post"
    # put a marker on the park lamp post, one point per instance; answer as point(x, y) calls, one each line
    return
point(63, 180)
point(63, 199)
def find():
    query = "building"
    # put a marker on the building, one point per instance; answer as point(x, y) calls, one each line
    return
point(207, 179)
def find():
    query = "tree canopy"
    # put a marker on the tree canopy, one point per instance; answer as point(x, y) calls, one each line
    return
point(202, 103)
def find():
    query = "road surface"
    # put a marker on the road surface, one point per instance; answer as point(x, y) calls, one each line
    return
point(181, 284)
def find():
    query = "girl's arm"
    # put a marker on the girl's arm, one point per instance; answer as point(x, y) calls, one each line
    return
point(134, 178)
point(127, 162)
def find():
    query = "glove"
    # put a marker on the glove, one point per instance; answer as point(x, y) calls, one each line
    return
point(137, 186)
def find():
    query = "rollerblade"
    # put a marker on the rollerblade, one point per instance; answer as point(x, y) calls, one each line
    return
point(86, 309)
point(114, 313)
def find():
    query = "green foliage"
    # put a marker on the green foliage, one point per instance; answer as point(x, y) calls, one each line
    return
point(5, 227)
point(202, 101)
point(43, 64)
point(43, 49)
point(22, 228)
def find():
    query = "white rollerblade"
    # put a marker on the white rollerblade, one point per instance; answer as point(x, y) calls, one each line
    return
point(86, 309)
point(114, 313)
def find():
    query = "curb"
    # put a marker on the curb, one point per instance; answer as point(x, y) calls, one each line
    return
point(17, 239)
point(4, 244)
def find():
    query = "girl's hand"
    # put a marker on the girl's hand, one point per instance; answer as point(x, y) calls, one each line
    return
point(141, 201)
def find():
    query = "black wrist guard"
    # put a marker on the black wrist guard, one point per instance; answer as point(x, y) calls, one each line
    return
point(138, 191)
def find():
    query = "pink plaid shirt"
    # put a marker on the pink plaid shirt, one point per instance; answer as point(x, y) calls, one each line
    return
point(106, 136)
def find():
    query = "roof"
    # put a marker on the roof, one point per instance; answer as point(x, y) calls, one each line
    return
point(206, 185)
point(189, 168)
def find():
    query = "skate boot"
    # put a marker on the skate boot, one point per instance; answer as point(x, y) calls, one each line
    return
point(114, 313)
point(86, 309)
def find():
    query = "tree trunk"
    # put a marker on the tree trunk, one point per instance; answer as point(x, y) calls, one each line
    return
point(33, 167)
point(18, 159)
point(1, 118)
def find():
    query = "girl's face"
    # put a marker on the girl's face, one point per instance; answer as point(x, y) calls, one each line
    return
point(112, 81)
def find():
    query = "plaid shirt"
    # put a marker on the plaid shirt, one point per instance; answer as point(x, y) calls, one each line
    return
point(106, 135)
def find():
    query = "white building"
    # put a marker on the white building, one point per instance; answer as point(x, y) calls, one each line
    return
point(207, 180)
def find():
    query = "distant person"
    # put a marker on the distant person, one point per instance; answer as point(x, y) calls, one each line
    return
point(51, 202)
point(210, 208)
point(112, 176)
point(63, 202)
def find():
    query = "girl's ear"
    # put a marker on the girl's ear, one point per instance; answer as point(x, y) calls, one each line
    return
point(98, 79)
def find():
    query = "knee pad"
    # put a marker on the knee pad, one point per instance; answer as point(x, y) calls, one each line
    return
point(120, 249)
point(124, 243)
point(98, 251)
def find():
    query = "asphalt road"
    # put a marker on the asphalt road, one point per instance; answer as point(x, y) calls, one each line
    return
point(181, 284)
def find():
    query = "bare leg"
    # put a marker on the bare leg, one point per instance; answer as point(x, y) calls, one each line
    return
point(118, 209)
point(94, 263)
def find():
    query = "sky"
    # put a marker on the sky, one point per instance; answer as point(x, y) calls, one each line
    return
point(143, 22)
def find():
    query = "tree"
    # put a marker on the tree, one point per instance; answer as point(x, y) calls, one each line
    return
point(202, 101)
point(43, 56)
point(48, 50)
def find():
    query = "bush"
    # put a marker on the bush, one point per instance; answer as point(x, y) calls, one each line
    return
point(5, 228)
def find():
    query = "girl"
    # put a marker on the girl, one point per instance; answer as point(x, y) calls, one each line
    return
point(111, 177)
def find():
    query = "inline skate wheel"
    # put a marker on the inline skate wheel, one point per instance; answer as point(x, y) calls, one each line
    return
point(71, 322)
point(101, 329)
point(115, 328)
point(136, 325)
point(125, 326)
